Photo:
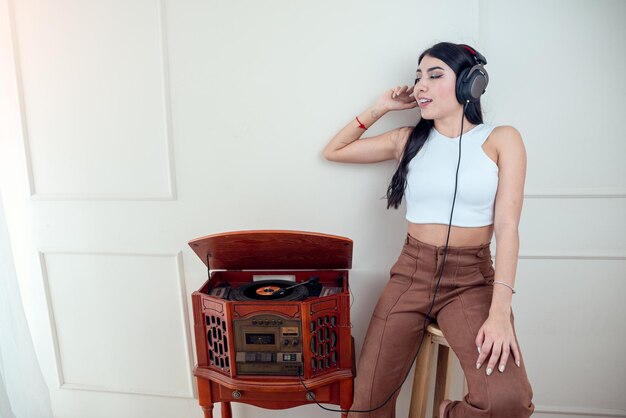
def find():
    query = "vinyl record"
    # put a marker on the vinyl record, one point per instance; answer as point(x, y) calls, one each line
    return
point(268, 290)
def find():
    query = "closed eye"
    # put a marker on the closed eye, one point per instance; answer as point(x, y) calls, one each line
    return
point(433, 76)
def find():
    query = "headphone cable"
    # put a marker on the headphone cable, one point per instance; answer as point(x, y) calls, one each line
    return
point(432, 304)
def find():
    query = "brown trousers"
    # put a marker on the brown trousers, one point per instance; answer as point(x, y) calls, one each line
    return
point(461, 307)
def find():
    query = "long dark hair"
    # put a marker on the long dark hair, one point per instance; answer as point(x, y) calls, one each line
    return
point(457, 58)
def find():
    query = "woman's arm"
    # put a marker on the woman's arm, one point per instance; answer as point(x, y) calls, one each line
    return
point(496, 335)
point(346, 147)
point(508, 209)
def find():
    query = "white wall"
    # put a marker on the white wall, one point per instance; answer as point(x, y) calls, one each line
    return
point(559, 65)
point(131, 128)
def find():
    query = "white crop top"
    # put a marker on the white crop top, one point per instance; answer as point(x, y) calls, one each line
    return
point(431, 175)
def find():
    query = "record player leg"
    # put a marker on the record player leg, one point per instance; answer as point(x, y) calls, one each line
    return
point(346, 389)
point(204, 397)
point(208, 411)
point(226, 411)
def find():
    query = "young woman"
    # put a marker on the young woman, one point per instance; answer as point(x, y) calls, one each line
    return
point(445, 271)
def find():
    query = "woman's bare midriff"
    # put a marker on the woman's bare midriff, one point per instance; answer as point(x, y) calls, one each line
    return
point(435, 234)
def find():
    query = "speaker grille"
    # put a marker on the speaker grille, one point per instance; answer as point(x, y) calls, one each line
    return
point(217, 342)
point(323, 343)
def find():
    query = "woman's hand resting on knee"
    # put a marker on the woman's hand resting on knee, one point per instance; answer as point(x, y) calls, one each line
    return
point(496, 337)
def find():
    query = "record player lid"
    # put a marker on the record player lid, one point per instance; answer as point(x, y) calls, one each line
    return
point(273, 250)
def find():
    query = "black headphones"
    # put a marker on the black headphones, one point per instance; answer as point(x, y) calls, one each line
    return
point(472, 82)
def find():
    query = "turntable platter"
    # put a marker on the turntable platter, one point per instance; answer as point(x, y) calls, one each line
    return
point(269, 290)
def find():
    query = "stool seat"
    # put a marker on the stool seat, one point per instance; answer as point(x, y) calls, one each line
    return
point(419, 392)
point(436, 332)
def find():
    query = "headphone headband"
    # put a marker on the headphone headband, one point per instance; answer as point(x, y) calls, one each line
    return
point(478, 57)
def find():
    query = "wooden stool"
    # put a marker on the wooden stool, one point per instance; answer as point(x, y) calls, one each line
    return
point(419, 393)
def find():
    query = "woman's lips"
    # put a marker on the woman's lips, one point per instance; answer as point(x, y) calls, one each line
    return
point(422, 103)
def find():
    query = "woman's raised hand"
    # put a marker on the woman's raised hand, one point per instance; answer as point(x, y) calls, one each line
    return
point(397, 98)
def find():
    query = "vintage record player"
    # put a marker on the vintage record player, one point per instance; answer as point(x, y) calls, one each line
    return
point(272, 322)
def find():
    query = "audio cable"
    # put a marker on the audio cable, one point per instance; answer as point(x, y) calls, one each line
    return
point(427, 317)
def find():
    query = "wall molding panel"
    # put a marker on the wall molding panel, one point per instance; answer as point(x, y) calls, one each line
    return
point(570, 256)
point(167, 148)
point(578, 411)
point(576, 193)
point(607, 257)
point(174, 259)
point(566, 195)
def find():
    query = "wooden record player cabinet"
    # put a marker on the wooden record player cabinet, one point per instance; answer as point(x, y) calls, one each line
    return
point(319, 326)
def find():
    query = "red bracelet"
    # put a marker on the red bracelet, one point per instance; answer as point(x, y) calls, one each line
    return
point(360, 124)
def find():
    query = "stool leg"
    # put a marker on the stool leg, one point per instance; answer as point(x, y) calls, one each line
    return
point(442, 385)
point(419, 393)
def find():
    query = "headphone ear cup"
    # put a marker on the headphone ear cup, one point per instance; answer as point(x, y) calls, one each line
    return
point(471, 83)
